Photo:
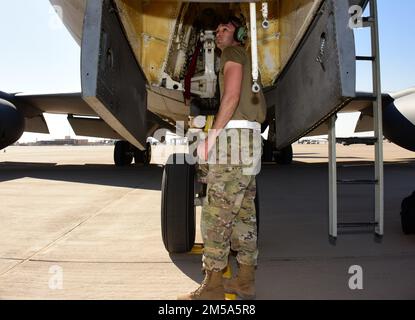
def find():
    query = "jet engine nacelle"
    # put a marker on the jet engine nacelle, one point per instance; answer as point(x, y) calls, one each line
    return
point(12, 124)
point(399, 122)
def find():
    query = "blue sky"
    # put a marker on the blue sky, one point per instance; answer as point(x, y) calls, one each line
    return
point(39, 56)
point(397, 45)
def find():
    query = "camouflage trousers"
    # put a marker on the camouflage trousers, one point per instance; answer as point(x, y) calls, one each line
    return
point(228, 217)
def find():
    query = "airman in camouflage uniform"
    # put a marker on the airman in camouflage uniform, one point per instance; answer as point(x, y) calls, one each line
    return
point(228, 215)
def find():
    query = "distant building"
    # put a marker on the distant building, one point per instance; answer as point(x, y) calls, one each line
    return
point(68, 141)
point(64, 142)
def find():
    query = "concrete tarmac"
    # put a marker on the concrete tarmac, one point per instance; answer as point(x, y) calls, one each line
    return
point(73, 226)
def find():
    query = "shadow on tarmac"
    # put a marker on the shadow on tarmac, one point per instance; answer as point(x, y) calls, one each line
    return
point(296, 258)
point(134, 176)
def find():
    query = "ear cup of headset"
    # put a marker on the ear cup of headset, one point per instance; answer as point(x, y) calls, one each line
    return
point(240, 34)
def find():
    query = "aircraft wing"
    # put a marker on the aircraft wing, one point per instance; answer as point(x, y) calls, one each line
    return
point(63, 103)
point(83, 120)
point(398, 117)
point(363, 104)
point(32, 107)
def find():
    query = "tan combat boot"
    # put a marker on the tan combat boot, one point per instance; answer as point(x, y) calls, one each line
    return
point(210, 289)
point(243, 284)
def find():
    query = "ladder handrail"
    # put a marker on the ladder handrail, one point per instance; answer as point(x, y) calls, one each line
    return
point(377, 114)
point(378, 128)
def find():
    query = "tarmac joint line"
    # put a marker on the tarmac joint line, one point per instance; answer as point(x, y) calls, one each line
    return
point(66, 233)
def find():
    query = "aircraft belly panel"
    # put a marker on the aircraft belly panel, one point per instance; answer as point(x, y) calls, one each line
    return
point(167, 104)
point(72, 15)
point(319, 78)
point(113, 83)
point(295, 19)
point(88, 127)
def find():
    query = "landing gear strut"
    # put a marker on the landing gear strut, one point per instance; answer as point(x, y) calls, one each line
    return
point(284, 156)
point(143, 157)
point(124, 153)
point(270, 154)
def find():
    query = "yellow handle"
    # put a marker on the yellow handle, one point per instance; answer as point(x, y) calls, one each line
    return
point(209, 123)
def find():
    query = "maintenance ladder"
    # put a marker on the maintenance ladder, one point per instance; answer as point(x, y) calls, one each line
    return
point(378, 225)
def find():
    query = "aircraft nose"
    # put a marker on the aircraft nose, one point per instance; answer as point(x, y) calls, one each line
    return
point(399, 122)
point(406, 106)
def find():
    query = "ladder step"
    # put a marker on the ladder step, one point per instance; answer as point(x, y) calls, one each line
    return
point(368, 22)
point(365, 58)
point(357, 140)
point(357, 224)
point(358, 182)
point(365, 97)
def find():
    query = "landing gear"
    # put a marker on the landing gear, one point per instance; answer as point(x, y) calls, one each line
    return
point(178, 226)
point(284, 156)
point(178, 205)
point(270, 154)
point(268, 151)
point(123, 153)
point(143, 157)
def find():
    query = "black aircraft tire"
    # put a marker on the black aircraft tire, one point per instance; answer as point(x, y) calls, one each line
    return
point(143, 157)
point(138, 156)
point(285, 156)
point(122, 154)
point(177, 206)
point(147, 155)
point(267, 151)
